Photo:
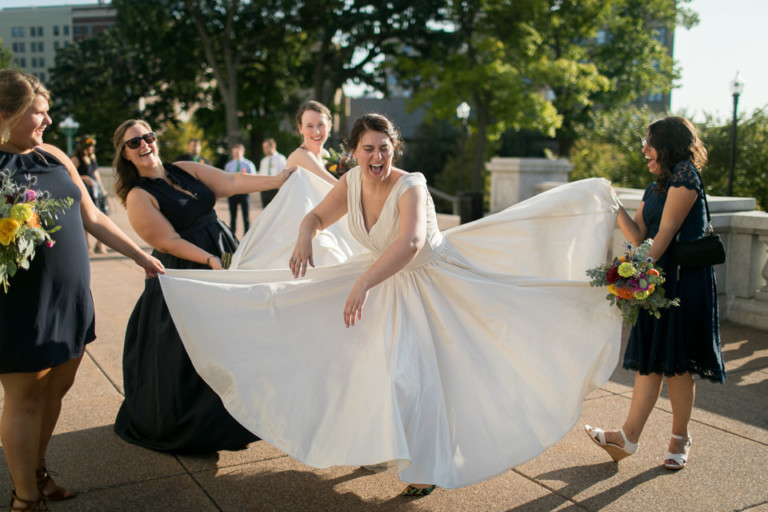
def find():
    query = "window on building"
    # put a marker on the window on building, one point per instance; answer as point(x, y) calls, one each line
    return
point(34, 62)
point(78, 30)
point(23, 62)
point(55, 30)
point(655, 98)
point(39, 31)
point(40, 47)
point(56, 45)
point(32, 31)
point(41, 62)
point(66, 30)
point(89, 30)
point(15, 47)
point(33, 47)
point(17, 31)
point(22, 47)
point(42, 77)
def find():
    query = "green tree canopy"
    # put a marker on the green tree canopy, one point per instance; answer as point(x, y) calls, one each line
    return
point(6, 56)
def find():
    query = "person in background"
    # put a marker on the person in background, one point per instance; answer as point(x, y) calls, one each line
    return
point(193, 153)
point(88, 168)
point(47, 314)
point(314, 123)
point(167, 406)
point(243, 201)
point(272, 163)
point(685, 340)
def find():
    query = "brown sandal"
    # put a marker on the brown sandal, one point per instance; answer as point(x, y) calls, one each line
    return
point(44, 480)
point(38, 505)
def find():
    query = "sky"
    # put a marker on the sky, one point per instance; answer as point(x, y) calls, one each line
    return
point(730, 38)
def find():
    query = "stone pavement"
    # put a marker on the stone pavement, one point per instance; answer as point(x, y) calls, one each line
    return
point(728, 469)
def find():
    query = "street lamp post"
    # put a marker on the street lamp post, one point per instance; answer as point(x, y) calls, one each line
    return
point(737, 87)
point(69, 126)
point(462, 112)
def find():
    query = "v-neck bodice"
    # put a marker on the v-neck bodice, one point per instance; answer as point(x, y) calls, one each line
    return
point(387, 227)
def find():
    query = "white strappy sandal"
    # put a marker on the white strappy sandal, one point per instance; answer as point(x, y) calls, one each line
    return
point(615, 451)
point(679, 460)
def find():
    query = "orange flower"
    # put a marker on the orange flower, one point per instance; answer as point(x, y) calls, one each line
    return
point(34, 222)
point(625, 293)
point(653, 272)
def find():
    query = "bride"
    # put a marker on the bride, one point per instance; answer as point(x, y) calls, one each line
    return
point(437, 351)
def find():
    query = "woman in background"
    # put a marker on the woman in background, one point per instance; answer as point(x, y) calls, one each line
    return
point(314, 123)
point(88, 169)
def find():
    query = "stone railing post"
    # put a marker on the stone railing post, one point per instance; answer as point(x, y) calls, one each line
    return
point(516, 179)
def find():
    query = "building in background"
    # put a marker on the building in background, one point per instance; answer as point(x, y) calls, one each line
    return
point(34, 34)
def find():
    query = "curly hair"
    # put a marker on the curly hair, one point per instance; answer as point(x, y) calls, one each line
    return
point(18, 91)
point(126, 174)
point(675, 140)
point(375, 123)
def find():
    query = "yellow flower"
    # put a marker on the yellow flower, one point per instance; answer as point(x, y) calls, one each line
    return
point(626, 270)
point(21, 212)
point(612, 289)
point(8, 228)
point(641, 294)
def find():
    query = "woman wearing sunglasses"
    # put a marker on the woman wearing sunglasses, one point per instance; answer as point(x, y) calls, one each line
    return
point(46, 314)
point(167, 406)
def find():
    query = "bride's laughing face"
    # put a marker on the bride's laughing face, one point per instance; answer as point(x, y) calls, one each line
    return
point(374, 154)
point(314, 130)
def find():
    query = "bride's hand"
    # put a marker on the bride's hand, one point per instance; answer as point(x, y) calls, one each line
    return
point(301, 257)
point(353, 309)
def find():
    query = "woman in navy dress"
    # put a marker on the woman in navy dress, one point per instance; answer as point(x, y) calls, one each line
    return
point(685, 341)
point(167, 406)
point(88, 168)
point(47, 315)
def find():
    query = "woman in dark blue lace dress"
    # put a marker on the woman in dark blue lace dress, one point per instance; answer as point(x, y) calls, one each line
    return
point(167, 406)
point(685, 341)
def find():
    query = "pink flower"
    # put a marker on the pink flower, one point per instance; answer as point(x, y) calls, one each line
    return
point(31, 195)
point(49, 243)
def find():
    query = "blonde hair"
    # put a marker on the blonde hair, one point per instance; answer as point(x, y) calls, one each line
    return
point(126, 174)
point(18, 91)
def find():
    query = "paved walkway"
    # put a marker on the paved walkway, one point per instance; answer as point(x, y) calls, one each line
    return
point(728, 469)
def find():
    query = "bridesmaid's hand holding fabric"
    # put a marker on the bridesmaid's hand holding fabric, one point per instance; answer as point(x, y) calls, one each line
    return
point(151, 265)
point(301, 257)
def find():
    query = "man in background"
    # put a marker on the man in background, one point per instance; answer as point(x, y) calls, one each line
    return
point(239, 164)
point(272, 163)
point(193, 153)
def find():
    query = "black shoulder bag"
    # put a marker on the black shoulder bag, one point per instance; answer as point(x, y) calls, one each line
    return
point(706, 251)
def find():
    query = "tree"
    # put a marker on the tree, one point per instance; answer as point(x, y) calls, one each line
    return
point(223, 41)
point(99, 81)
point(6, 56)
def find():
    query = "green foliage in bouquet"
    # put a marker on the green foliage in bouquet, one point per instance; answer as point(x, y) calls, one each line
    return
point(633, 283)
point(339, 161)
point(27, 219)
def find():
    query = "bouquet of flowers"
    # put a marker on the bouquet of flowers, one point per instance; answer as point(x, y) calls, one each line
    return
point(26, 220)
point(339, 161)
point(633, 282)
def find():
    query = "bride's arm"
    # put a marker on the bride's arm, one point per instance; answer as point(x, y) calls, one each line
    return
point(331, 209)
point(412, 236)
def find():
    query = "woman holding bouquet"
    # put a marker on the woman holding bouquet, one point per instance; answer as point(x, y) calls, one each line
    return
point(46, 315)
point(686, 339)
point(167, 406)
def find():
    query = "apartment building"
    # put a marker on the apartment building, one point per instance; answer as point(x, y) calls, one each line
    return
point(34, 34)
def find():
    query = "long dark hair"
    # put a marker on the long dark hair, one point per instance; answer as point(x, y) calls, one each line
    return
point(126, 174)
point(675, 140)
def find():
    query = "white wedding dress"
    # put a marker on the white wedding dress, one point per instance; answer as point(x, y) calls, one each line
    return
point(473, 359)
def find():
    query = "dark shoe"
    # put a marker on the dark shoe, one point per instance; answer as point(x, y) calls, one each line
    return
point(44, 481)
point(415, 492)
point(38, 505)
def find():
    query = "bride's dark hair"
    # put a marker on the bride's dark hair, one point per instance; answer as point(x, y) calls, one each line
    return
point(376, 123)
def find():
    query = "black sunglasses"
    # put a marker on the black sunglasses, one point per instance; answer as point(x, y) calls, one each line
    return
point(135, 142)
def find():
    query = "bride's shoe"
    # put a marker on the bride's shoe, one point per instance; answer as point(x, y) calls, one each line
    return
point(615, 451)
point(677, 461)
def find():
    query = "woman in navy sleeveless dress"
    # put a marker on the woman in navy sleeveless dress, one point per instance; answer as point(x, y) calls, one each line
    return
point(685, 341)
point(47, 314)
point(167, 406)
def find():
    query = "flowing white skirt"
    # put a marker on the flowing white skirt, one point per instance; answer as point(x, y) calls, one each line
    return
point(459, 369)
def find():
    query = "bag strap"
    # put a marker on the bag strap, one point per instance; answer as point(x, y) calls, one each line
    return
point(706, 204)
